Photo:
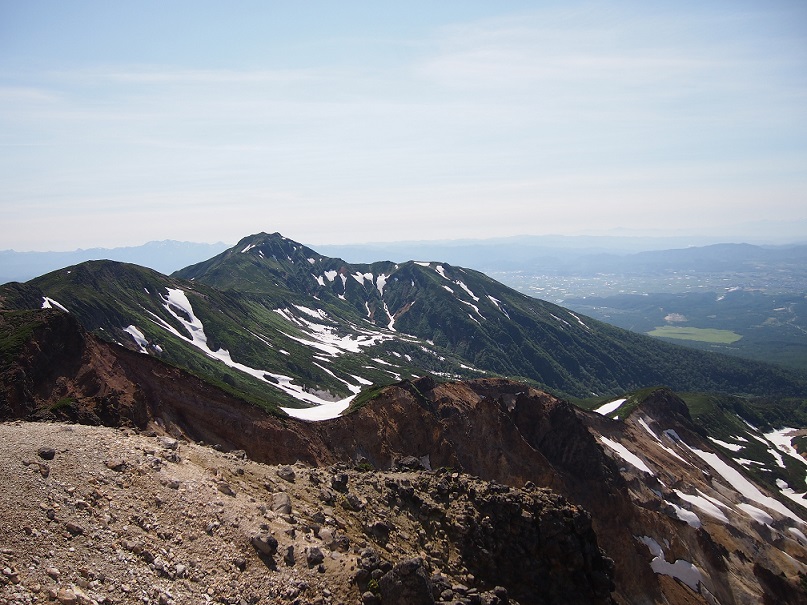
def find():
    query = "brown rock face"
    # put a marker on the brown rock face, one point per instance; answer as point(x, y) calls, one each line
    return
point(61, 372)
point(508, 432)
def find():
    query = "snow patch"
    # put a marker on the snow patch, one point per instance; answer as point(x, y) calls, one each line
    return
point(729, 446)
point(315, 313)
point(681, 570)
point(474, 307)
point(778, 457)
point(580, 321)
point(667, 449)
point(138, 336)
point(627, 455)
point(790, 493)
point(325, 338)
point(49, 303)
point(325, 411)
point(704, 504)
point(563, 321)
point(467, 290)
point(608, 408)
point(781, 439)
point(757, 514)
point(686, 515)
point(498, 304)
point(361, 277)
point(741, 484)
point(391, 324)
point(800, 537)
point(177, 299)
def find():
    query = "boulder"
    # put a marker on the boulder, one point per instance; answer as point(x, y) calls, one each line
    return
point(407, 583)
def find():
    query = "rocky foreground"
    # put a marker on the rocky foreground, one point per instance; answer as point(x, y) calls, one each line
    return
point(103, 515)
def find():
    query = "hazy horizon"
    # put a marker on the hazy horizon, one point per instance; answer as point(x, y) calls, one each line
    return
point(635, 241)
point(352, 123)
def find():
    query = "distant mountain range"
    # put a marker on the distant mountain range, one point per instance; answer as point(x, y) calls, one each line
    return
point(549, 255)
point(163, 256)
point(556, 255)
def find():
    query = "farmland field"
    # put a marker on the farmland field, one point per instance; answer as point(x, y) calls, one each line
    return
point(710, 335)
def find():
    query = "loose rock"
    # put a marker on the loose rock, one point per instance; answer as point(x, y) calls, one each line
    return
point(46, 453)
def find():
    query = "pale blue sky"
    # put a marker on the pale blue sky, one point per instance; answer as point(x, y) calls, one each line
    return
point(341, 122)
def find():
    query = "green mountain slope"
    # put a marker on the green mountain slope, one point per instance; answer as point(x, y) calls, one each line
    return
point(281, 325)
point(273, 350)
point(488, 325)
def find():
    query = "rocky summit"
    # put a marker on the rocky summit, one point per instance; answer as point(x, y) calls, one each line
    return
point(114, 516)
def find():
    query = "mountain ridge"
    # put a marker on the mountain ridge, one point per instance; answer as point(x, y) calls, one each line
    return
point(317, 329)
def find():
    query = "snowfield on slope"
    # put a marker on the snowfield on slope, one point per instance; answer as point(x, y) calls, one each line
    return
point(176, 300)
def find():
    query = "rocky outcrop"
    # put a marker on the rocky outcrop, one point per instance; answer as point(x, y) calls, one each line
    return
point(59, 371)
point(526, 539)
point(127, 518)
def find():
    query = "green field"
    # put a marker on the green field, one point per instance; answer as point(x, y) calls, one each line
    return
point(711, 335)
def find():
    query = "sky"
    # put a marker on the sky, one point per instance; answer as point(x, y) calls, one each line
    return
point(349, 122)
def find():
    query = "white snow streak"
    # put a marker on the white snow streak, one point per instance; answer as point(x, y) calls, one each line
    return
point(790, 493)
point(325, 411)
point(580, 321)
point(681, 569)
point(729, 446)
point(498, 304)
point(627, 455)
point(757, 514)
point(667, 449)
point(563, 321)
point(138, 336)
point(686, 515)
point(391, 324)
point(610, 407)
point(49, 303)
point(799, 535)
point(706, 505)
point(467, 289)
point(741, 484)
point(177, 299)
point(782, 440)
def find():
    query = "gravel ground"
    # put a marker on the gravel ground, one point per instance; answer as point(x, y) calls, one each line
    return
point(118, 517)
